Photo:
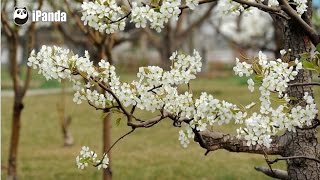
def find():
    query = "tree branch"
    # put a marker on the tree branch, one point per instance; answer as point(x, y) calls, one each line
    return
point(148, 123)
point(216, 140)
point(68, 36)
point(293, 157)
point(275, 173)
point(305, 84)
point(30, 46)
point(155, 40)
point(313, 35)
point(87, 32)
point(199, 21)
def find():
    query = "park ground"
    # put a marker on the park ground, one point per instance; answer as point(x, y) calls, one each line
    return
point(153, 153)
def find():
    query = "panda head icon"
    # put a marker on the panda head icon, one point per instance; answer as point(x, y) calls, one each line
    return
point(20, 16)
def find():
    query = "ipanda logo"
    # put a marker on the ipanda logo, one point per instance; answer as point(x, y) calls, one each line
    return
point(21, 16)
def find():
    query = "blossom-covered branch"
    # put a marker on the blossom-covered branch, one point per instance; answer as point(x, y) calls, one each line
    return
point(157, 90)
point(109, 17)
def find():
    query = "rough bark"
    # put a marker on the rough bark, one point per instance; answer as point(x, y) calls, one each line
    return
point(215, 140)
point(275, 173)
point(302, 142)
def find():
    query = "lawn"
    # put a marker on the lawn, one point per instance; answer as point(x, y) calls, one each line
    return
point(152, 153)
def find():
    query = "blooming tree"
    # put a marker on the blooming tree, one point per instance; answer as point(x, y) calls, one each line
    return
point(13, 36)
point(286, 81)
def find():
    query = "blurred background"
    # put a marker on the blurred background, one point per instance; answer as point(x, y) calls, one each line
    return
point(52, 128)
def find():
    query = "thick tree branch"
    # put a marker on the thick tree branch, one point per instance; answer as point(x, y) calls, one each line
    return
point(155, 40)
point(216, 140)
point(198, 22)
point(274, 173)
point(313, 35)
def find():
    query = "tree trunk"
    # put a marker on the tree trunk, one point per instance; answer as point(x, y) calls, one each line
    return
point(17, 108)
point(302, 142)
point(65, 120)
point(15, 134)
point(107, 174)
point(166, 47)
point(103, 53)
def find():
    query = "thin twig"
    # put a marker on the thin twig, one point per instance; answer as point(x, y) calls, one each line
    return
point(131, 131)
point(267, 160)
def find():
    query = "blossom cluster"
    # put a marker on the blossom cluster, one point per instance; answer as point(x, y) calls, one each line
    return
point(108, 16)
point(268, 121)
point(157, 90)
point(104, 16)
point(301, 6)
point(87, 157)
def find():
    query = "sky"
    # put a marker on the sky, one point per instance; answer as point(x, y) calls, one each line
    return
point(316, 3)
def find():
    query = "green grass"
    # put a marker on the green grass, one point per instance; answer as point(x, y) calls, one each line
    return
point(152, 153)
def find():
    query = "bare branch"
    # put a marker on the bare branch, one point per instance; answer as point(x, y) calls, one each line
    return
point(305, 84)
point(313, 35)
point(294, 157)
point(148, 123)
point(86, 31)
point(155, 40)
point(68, 35)
point(123, 136)
point(199, 21)
point(30, 46)
point(275, 173)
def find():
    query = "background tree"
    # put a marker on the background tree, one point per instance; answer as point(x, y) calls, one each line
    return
point(14, 34)
point(100, 47)
point(156, 89)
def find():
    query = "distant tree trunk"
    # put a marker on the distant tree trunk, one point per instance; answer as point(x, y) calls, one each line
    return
point(107, 174)
point(104, 51)
point(278, 39)
point(65, 120)
point(302, 142)
point(166, 47)
point(17, 108)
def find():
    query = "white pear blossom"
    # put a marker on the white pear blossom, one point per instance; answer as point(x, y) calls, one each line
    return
point(108, 16)
point(157, 90)
point(242, 68)
point(87, 157)
point(250, 85)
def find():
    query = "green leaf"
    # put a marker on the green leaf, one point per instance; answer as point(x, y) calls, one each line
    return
point(318, 47)
point(308, 65)
point(118, 121)
point(304, 56)
point(146, 70)
point(258, 78)
point(286, 110)
point(257, 68)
